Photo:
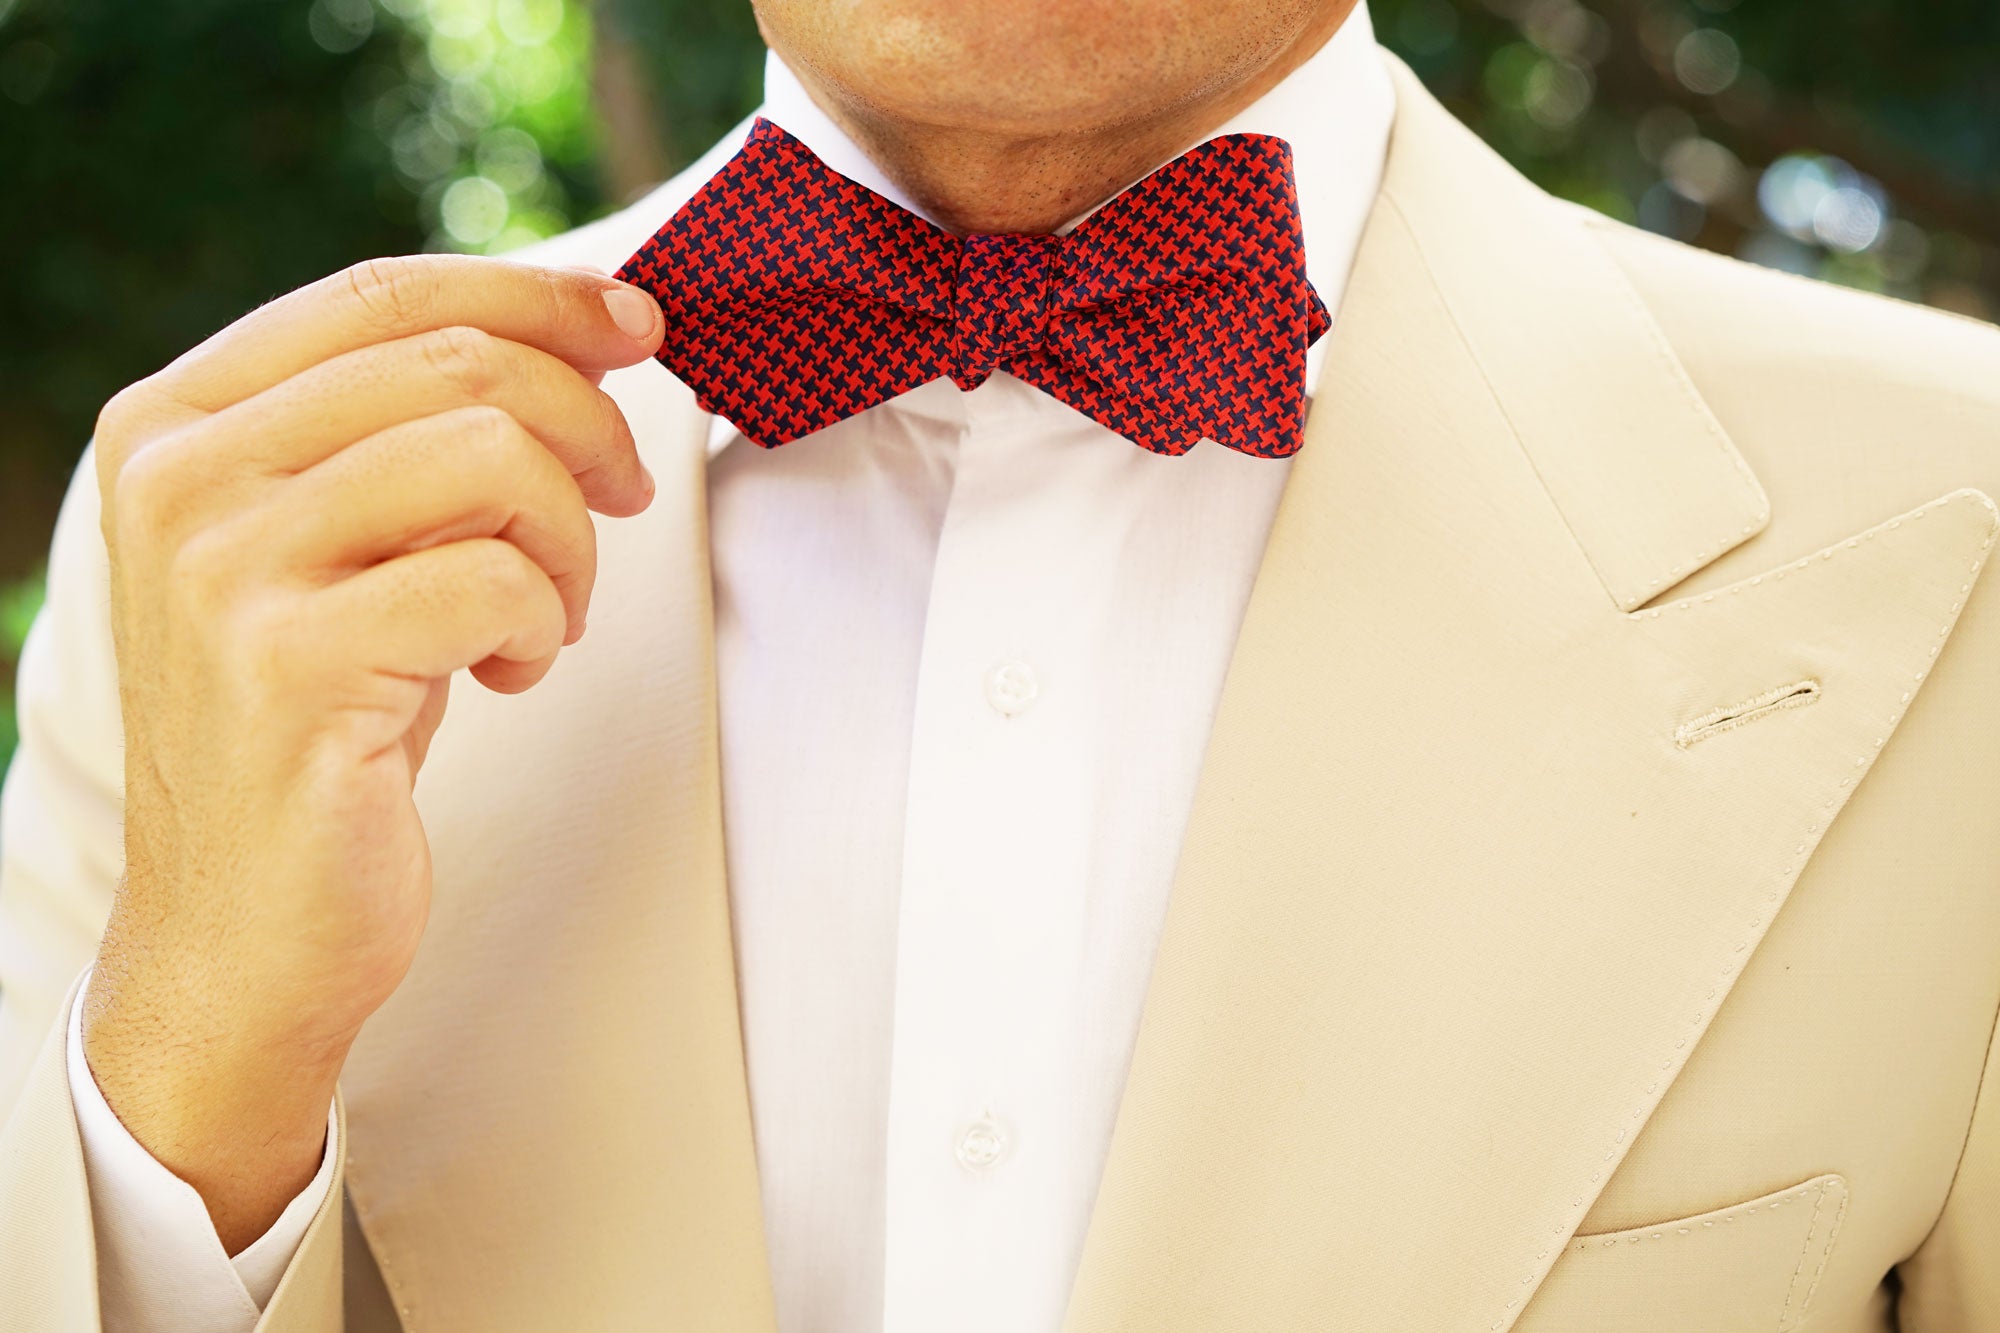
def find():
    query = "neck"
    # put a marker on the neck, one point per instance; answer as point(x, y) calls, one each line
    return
point(978, 180)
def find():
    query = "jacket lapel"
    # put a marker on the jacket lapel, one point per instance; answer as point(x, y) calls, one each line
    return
point(548, 1124)
point(1455, 903)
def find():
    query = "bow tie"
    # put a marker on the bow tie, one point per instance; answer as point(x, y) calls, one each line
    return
point(795, 297)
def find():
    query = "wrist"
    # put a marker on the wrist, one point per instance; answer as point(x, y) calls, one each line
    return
point(159, 982)
point(237, 1111)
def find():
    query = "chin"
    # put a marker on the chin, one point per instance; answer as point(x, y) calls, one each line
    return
point(1025, 67)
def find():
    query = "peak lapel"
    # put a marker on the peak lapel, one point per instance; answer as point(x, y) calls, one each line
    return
point(549, 1124)
point(1455, 904)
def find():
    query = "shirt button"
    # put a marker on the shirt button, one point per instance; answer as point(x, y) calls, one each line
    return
point(981, 1145)
point(1011, 687)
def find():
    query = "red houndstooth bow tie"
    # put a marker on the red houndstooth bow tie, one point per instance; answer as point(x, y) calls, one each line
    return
point(1179, 311)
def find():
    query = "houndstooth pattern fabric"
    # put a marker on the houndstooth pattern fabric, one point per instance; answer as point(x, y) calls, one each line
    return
point(1179, 311)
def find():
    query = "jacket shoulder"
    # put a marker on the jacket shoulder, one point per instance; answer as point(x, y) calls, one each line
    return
point(1766, 315)
point(1838, 399)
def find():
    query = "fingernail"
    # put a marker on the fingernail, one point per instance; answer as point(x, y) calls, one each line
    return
point(632, 311)
point(646, 476)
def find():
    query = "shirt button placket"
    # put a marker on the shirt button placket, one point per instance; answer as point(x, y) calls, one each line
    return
point(1011, 687)
point(982, 1144)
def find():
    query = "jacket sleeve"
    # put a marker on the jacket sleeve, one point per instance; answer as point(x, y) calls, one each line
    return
point(61, 854)
point(160, 1266)
point(48, 1254)
point(62, 844)
point(1952, 1283)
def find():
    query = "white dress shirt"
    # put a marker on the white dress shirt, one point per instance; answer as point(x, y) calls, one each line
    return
point(969, 647)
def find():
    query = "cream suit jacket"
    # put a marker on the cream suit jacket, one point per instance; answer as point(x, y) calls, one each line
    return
point(1589, 918)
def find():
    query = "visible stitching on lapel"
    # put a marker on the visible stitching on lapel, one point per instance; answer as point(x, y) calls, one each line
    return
point(1964, 493)
point(1566, 1226)
point(1794, 695)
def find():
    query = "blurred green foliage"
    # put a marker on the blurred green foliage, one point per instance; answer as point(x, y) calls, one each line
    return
point(166, 167)
point(18, 603)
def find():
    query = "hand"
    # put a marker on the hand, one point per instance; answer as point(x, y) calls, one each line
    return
point(313, 519)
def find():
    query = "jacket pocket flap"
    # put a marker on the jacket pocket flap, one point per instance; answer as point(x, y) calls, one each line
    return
point(1750, 1266)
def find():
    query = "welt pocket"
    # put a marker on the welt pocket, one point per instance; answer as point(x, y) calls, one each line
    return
point(1750, 1266)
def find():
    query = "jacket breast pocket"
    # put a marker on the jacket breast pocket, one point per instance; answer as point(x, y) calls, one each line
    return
point(1749, 1268)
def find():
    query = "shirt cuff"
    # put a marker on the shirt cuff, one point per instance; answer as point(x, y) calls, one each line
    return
point(160, 1264)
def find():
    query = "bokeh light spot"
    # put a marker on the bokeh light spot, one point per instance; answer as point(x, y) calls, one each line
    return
point(1790, 191)
point(1848, 219)
point(510, 158)
point(1707, 61)
point(1566, 30)
point(459, 18)
point(461, 57)
point(1660, 129)
point(1507, 72)
point(1557, 93)
point(530, 74)
point(340, 26)
point(1702, 169)
point(473, 210)
point(530, 22)
point(421, 150)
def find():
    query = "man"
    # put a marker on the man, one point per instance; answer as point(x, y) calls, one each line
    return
point(1521, 859)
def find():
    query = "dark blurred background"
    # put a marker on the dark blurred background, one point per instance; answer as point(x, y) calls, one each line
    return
point(165, 167)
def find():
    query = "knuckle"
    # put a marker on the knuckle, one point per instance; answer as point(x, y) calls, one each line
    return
point(150, 494)
point(613, 426)
point(211, 575)
point(392, 293)
point(466, 358)
point(118, 420)
point(267, 641)
point(616, 458)
point(124, 424)
point(489, 449)
point(503, 571)
point(493, 438)
point(585, 541)
point(555, 292)
point(572, 563)
point(203, 563)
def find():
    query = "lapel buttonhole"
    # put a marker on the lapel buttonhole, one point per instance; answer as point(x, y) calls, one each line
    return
point(1794, 695)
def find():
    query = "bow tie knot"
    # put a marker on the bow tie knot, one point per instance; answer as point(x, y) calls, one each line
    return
point(1180, 311)
point(1000, 304)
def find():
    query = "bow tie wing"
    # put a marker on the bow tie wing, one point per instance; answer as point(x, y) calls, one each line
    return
point(1182, 309)
point(795, 297)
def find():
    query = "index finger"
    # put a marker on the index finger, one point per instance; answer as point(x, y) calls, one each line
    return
point(593, 322)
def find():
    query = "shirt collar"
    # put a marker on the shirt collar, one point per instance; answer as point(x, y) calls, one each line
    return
point(1335, 111)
